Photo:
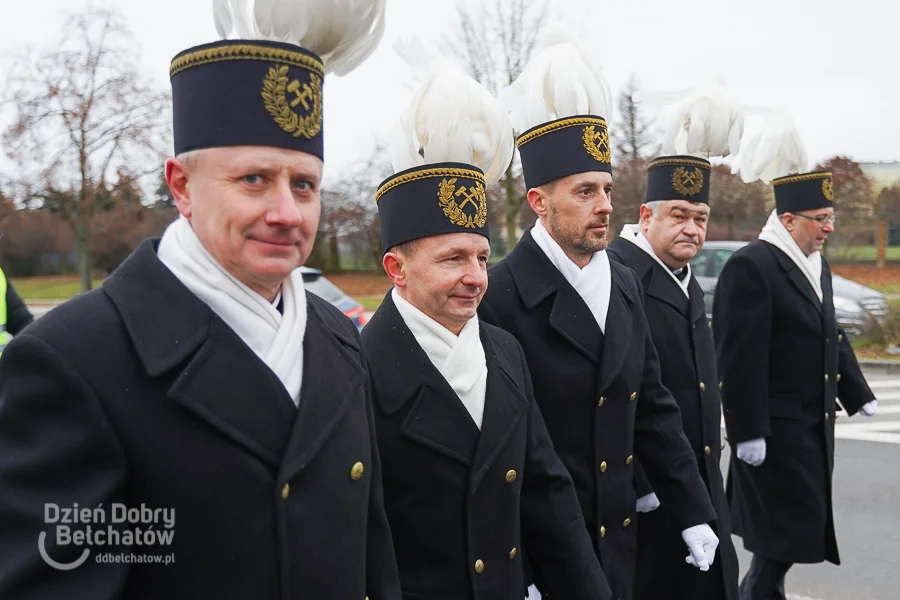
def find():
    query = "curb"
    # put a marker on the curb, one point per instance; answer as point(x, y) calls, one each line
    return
point(881, 367)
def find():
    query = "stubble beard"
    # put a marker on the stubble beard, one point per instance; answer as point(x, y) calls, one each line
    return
point(574, 240)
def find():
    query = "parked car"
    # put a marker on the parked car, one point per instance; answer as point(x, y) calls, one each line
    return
point(316, 283)
point(857, 307)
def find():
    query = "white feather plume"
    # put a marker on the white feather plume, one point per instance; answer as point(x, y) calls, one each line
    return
point(565, 78)
point(774, 151)
point(703, 121)
point(451, 118)
point(344, 33)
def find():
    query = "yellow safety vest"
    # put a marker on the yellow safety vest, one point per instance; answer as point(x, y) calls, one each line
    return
point(4, 336)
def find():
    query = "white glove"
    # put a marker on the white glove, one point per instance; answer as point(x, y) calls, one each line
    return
point(701, 540)
point(868, 410)
point(753, 452)
point(647, 503)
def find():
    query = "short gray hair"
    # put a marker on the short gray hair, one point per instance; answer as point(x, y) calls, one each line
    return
point(654, 207)
point(190, 158)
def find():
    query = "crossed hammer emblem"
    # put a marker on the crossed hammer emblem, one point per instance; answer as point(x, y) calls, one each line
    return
point(468, 196)
point(303, 94)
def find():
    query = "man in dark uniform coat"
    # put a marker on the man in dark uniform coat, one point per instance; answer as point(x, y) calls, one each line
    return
point(594, 368)
point(672, 230)
point(784, 361)
point(470, 474)
point(202, 380)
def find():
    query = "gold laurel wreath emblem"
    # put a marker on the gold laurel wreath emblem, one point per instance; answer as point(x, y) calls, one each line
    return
point(828, 189)
point(687, 183)
point(275, 89)
point(597, 143)
point(447, 192)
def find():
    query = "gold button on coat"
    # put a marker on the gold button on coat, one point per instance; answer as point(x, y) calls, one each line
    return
point(285, 491)
point(512, 553)
point(707, 450)
point(633, 397)
point(626, 522)
point(510, 476)
point(601, 401)
point(702, 387)
point(838, 378)
point(602, 531)
point(356, 472)
point(840, 338)
point(720, 385)
point(826, 378)
point(629, 460)
point(479, 566)
point(827, 416)
point(603, 467)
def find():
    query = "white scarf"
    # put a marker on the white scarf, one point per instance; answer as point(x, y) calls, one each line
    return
point(275, 338)
point(811, 266)
point(593, 283)
point(633, 234)
point(459, 359)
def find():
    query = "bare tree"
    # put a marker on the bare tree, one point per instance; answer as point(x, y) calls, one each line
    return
point(495, 39)
point(634, 137)
point(350, 215)
point(82, 111)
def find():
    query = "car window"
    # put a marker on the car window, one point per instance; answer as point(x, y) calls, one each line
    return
point(720, 257)
point(323, 288)
point(700, 263)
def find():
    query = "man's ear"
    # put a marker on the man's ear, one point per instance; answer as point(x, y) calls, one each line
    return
point(539, 201)
point(645, 215)
point(393, 265)
point(177, 176)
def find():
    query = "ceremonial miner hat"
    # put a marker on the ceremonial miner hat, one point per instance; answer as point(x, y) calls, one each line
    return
point(559, 103)
point(452, 142)
point(678, 178)
point(808, 191)
point(266, 89)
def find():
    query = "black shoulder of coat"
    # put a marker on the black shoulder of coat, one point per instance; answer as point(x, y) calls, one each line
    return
point(334, 319)
point(78, 322)
point(626, 276)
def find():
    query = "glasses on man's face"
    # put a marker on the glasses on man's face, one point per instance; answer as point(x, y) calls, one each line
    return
point(821, 219)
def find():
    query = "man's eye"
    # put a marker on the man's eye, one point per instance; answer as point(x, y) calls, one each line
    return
point(252, 179)
point(303, 186)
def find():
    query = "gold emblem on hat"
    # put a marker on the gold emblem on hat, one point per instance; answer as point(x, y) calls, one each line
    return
point(597, 143)
point(448, 194)
point(828, 189)
point(687, 182)
point(276, 90)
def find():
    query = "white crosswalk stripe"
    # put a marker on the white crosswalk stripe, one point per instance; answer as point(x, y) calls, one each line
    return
point(884, 427)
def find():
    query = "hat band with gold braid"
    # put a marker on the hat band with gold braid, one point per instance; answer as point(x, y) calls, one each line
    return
point(808, 191)
point(678, 178)
point(564, 147)
point(248, 93)
point(431, 200)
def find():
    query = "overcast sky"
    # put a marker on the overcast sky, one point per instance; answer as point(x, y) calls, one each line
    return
point(835, 66)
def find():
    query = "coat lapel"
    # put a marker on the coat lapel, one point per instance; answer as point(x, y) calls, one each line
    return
point(663, 288)
point(796, 277)
point(403, 374)
point(657, 283)
point(505, 405)
point(332, 378)
point(619, 326)
point(697, 303)
point(216, 376)
point(537, 278)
